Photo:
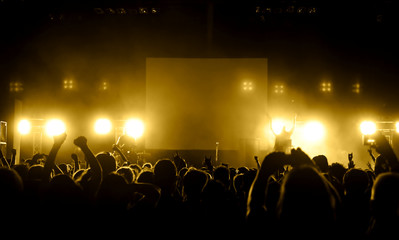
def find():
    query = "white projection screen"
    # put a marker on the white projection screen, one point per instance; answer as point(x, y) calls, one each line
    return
point(192, 103)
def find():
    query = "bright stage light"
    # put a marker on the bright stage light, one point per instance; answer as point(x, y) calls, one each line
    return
point(314, 131)
point(55, 127)
point(134, 128)
point(368, 128)
point(397, 127)
point(102, 126)
point(247, 86)
point(24, 127)
point(277, 126)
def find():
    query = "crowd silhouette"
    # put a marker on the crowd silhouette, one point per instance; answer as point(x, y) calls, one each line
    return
point(288, 195)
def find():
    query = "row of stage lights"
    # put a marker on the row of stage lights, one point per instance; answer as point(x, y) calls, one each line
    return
point(53, 127)
point(315, 130)
point(312, 130)
point(369, 128)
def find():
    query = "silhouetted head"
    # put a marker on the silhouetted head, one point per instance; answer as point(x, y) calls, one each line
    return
point(147, 165)
point(22, 170)
point(127, 173)
point(112, 197)
point(306, 204)
point(11, 187)
point(11, 184)
point(179, 162)
point(355, 181)
point(64, 168)
point(145, 176)
point(238, 183)
point(214, 195)
point(62, 191)
point(338, 171)
point(222, 174)
point(165, 175)
point(385, 196)
point(194, 182)
point(35, 172)
point(321, 163)
point(107, 162)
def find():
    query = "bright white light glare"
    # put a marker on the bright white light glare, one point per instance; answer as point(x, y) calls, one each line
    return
point(277, 126)
point(24, 127)
point(397, 127)
point(314, 131)
point(55, 127)
point(134, 128)
point(368, 128)
point(102, 126)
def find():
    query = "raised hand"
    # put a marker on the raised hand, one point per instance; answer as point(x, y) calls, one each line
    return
point(96, 178)
point(272, 162)
point(60, 139)
point(50, 161)
point(80, 141)
point(298, 158)
point(351, 163)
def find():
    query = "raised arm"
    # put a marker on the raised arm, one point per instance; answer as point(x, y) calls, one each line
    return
point(13, 156)
point(257, 162)
point(97, 173)
point(50, 162)
point(351, 163)
point(370, 151)
point(4, 160)
point(256, 197)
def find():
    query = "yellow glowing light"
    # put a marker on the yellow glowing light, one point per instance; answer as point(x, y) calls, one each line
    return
point(24, 127)
point(134, 128)
point(314, 131)
point(102, 126)
point(55, 127)
point(368, 128)
point(277, 126)
point(397, 127)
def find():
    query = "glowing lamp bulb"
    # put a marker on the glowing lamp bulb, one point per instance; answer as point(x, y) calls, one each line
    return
point(55, 127)
point(134, 128)
point(24, 127)
point(314, 131)
point(368, 128)
point(102, 126)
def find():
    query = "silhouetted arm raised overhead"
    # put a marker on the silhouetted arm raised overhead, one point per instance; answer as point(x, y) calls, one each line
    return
point(95, 166)
point(50, 162)
point(13, 156)
point(256, 196)
point(4, 160)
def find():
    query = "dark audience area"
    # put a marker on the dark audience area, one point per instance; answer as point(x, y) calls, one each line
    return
point(289, 195)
